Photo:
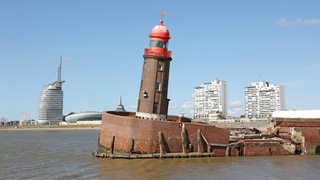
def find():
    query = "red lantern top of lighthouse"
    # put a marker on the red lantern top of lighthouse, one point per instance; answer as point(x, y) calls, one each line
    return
point(159, 37)
point(160, 32)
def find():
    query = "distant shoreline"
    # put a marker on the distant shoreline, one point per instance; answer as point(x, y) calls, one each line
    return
point(51, 127)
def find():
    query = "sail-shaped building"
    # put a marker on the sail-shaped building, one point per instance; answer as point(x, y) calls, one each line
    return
point(50, 107)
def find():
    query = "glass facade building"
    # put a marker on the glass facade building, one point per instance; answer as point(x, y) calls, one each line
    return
point(50, 107)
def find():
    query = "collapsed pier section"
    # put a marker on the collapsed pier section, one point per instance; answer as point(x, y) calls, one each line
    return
point(124, 135)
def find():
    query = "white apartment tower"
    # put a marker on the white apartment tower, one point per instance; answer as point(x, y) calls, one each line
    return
point(262, 98)
point(210, 99)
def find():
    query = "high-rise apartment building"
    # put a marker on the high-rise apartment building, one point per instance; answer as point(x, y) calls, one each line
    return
point(262, 98)
point(210, 99)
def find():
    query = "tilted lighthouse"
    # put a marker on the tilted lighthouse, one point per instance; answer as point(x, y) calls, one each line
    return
point(151, 132)
point(153, 101)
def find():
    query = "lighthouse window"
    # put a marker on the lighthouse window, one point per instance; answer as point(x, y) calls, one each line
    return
point(158, 87)
point(160, 44)
point(155, 107)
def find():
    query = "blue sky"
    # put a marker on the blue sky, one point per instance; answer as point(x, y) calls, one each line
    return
point(102, 45)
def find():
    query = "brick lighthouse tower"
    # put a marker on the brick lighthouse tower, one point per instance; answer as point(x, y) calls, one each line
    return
point(153, 102)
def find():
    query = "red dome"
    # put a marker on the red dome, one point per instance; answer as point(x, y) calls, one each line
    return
point(160, 32)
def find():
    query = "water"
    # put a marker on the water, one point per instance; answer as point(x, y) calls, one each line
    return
point(66, 154)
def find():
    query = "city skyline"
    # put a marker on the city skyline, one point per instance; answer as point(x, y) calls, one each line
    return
point(238, 42)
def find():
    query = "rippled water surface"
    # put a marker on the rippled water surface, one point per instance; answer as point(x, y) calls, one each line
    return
point(66, 154)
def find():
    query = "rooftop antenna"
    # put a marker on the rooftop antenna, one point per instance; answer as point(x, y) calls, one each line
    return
point(120, 100)
point(59, 80)
point(59, 70)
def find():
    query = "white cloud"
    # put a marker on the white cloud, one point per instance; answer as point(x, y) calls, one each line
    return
point(133, 106)
point(299, 21)
point(235, 112)
point(308, 21)
point(173, 106)
point(235, 109)
point(235, 104)
point(185, 108)
point(282, 22)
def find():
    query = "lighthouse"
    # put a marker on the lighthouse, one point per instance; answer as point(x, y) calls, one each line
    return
point(153, 101)
point(150, 131)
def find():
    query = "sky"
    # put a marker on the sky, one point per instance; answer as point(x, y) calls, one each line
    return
point(102, 44)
